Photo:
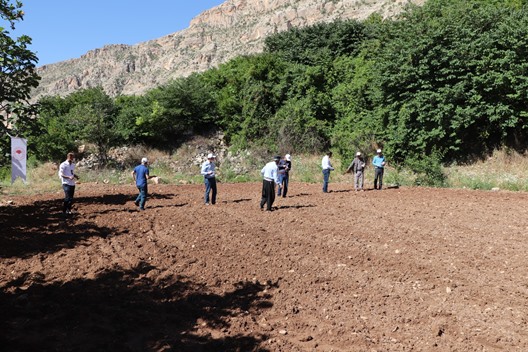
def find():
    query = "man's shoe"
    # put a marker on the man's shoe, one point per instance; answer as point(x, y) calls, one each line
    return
point(136, 203)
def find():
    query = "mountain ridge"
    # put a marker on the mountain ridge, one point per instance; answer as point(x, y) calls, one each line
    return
point(233, 28)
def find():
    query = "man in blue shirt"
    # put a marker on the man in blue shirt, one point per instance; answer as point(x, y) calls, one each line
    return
point(379, 165)
point(208, 172)
point(141, 176)
point(270, 178)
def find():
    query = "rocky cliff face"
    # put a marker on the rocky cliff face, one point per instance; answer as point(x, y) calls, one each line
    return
point(233, 28)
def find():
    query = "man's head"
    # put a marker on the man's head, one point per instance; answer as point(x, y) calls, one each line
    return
point(378, 151)
point(70, 157)
point(329, 154)
point(277, 158)
point(358, 154)
point(144, 161)
point(287, 157)
point(211, 157)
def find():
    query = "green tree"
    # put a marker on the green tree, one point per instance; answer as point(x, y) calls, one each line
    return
point(453, 77)
point(17, 78)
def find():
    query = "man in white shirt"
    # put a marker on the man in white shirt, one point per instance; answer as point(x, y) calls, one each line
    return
point(327, 167)
point(68, 177)
point(208, 172)
point(270, 178)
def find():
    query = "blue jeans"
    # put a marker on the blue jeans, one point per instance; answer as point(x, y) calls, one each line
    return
point(283, 184)
point(210, 184)
point(326, 178)
point(69, 191)
point(142, 197)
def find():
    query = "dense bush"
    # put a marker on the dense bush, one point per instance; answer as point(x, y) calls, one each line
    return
point(444, 82)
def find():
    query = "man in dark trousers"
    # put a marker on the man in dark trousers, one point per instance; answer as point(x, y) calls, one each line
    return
point(284, 175)
point(209, 174)
point(270, 178)
point(379, 166)
point(68, 177)
point(141, 176)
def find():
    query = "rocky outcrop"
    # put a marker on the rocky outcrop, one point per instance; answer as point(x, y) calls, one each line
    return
point(236, 27)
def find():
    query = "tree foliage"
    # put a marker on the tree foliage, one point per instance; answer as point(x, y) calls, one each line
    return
point(444, 82)
point(17, 77)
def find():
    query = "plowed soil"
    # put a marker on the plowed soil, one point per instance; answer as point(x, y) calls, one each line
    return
point(409, 269)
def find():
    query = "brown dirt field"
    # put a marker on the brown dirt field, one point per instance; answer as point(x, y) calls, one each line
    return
point(411, 269)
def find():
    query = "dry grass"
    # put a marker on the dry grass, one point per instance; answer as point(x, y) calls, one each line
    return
point(503, 170)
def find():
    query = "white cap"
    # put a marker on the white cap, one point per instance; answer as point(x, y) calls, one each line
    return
point(378, 151)
point(144, 160)
point(210, 156)
point(287, 157)
point(358, 154)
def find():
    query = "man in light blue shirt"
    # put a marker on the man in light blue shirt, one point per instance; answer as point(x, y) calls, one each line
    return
point(141, 176)
point(270, 174)
point(379, 166)
point(327, 167)
point(209, 174)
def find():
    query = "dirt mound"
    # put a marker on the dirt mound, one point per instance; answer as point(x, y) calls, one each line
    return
point(397, 270)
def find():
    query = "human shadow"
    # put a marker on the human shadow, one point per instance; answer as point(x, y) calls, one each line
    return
point(118, 199)
point(299, 195)
point(340, 191)
point(296, 206)
point(128, 310)
point(240, 200)
point(41, 228)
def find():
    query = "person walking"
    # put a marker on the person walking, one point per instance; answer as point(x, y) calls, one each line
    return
point(379, 166)
point(270, 178)
point(357, 167)
point(68, 177)
point(141, 176)
point(284, 175)
point(208, 172)
point(327, 167)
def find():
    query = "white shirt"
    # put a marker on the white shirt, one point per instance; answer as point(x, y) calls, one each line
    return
point(325, 163)
point(270, 171)
point(66, 169)
point(208, 169)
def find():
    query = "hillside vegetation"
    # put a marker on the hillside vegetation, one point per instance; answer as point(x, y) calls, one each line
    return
point(440, 84)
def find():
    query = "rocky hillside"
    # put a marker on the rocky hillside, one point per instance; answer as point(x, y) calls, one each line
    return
point(233, 28)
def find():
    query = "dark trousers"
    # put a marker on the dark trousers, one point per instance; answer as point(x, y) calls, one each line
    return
point(283, 185)
point(69, 191)
point(326, 179)
point(210, 185)
point(142, 196)
point(268, 194)
point(378, 176)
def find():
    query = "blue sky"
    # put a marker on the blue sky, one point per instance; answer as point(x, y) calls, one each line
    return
point(67, 29)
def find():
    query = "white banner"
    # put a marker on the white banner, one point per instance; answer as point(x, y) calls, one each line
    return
point(18, 158)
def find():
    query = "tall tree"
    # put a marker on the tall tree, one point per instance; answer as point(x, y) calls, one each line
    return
point(17, 76)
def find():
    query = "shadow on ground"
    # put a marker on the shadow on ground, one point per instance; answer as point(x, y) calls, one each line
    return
point(123, 310)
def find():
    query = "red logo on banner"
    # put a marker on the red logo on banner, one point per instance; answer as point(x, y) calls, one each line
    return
point(19, 154)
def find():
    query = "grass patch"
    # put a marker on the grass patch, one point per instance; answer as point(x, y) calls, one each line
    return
point(504, 170)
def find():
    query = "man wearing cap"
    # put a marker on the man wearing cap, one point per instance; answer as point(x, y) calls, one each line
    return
point(68, 177)
point(357, 167)
point(327, 167)
point(379, 166)
point(141, 176)
point(270, 178)
point(284, 175)
point(208, 172)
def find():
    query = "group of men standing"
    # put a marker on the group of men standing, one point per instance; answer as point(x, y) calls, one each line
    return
point(357, 168)
point(274, 173)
